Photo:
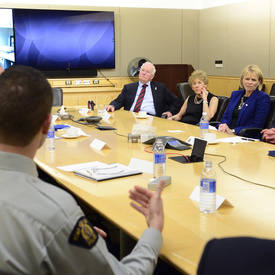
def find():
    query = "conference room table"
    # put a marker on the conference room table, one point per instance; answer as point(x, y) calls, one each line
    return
point(245, 179)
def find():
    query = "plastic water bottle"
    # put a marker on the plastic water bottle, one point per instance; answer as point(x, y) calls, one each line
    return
point(208, 189)
point(50, 139)
point(159, 159)
point(204, 125)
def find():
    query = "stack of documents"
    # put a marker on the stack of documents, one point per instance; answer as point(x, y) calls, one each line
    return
point(99, 171)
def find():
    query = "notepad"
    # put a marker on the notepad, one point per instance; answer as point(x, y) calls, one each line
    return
point(99, 171)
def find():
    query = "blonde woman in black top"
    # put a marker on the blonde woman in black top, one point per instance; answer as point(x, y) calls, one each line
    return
point(200, 101)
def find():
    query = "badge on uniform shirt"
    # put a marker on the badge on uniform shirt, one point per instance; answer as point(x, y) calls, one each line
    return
point(83, 234)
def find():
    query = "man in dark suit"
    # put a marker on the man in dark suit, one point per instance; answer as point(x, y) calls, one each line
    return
point(241, 255)
point(158, 99)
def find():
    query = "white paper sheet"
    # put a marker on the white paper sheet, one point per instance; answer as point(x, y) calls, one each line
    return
point(195, 195)
point(237, 139)
point(142, 165)
point(73, 167)
point(98, 144)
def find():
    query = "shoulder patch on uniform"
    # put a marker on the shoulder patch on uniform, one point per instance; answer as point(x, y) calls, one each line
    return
point(83, 234)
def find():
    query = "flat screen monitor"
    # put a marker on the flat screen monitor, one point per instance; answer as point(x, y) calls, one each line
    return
point(64, 40)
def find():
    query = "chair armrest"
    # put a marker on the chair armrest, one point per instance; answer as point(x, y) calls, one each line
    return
point(250, 132)
point(214, 123)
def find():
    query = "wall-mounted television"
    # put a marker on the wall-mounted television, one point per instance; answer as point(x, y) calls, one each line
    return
point(64, 42)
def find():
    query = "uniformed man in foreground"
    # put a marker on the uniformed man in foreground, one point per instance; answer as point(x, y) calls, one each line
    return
point(42, 229)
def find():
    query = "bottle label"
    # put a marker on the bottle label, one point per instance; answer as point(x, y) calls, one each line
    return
point(208, 185)
point(159, 158)
point(50, 134)
point(204, 125)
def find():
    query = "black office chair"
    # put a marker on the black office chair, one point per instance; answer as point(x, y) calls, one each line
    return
point(184, 90)
point(223, 102)
point(272, 90)
point(252, 132)
point(57, 97)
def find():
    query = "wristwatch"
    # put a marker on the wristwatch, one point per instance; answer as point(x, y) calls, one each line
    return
point(234, 133)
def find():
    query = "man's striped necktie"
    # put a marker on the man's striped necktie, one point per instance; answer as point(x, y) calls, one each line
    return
point(140, 98)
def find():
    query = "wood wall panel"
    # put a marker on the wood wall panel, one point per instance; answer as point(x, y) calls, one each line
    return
point(102, 92)
point(171, 74)
point(226, 85)
point(78, 95)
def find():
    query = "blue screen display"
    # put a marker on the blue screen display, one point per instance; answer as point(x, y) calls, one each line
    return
point(174, 142)
point(59, 39)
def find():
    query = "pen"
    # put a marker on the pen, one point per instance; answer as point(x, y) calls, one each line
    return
point(248, 139)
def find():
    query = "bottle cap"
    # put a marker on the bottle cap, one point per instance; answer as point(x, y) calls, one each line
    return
point(208, 164)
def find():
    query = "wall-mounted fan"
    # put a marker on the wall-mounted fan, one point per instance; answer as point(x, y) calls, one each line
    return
point(134, 66)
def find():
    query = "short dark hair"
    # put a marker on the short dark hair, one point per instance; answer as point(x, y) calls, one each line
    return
point(25, 101)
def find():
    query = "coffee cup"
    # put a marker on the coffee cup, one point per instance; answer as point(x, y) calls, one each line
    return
point(142, 113)
point(71, 132)
point(210, 137)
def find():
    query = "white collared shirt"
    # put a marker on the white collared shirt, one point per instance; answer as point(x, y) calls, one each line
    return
point(148, 101)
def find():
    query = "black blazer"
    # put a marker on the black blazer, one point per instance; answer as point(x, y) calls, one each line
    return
point(273, 124)
point(238, 256)
point(164, 99)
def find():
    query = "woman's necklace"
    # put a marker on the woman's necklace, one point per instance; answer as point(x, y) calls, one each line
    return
point(196, 101)
point(241, 103)
point(243, 99)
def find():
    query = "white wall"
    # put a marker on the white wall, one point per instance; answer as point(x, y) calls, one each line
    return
point(172, 4)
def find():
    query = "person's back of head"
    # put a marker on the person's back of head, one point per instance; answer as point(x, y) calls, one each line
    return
point(25, 101)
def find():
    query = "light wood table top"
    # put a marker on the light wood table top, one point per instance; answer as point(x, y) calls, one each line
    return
point(186, 230)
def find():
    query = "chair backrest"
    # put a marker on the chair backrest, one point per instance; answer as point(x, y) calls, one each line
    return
point(223, 102)
point(271, 115)
point(57, 97)
point(184, 90)
point(272, 90)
